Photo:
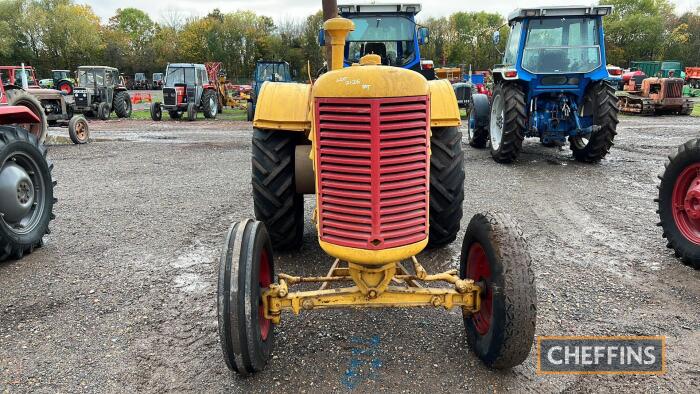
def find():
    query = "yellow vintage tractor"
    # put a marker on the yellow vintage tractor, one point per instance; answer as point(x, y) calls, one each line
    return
point(380, 148)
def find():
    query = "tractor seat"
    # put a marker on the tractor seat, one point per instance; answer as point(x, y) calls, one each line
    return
point(554, 59)
point(377, 48)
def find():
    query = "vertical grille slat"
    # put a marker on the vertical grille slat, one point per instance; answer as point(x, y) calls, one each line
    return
point(373, 171)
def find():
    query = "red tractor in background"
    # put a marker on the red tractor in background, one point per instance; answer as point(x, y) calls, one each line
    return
point(188, 89)
point(26, 184)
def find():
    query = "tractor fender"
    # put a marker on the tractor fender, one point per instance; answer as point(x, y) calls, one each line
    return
point(17, 115)
point(444, 111)
point(283, 106)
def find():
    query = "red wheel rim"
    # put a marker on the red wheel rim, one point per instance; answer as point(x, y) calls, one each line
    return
point(686, 203)
point(65, 88)
point(265, 281)
point(479, 271)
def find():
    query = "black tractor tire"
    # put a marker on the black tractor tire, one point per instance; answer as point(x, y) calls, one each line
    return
point(478, 122)
point(156, 112)
point(276, 201)
point(65, 86)
point(495, 255)
point(250, 110)
point(20, 149)
point(600, 101)
point(19, 97)
point(246, 270)
point(513, 119)
point(446, 185)
point(175, 115)
point(210, 104)
point(79, 130)
point(103, 111)
point(191, 112)
point(678, 170)
point(122, 105)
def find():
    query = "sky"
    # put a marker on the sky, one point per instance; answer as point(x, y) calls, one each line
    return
point(293, 9)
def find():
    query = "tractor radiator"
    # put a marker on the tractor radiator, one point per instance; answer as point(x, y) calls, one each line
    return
point(373, 165)
point(169, 96)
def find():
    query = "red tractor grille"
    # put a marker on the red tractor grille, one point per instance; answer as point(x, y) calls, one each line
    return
point(373, 168)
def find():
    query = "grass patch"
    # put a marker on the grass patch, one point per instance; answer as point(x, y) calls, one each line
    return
point(228, 114)
point(696, 110)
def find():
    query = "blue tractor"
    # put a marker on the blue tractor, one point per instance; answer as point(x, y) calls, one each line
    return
point(551, 85)
point(266, 70)
point(387, 30)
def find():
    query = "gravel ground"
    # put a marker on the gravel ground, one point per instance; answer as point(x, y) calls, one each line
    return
point(122, 297)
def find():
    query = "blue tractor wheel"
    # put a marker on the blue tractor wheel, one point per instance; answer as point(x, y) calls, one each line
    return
point(600, 102)
point(508, 122)
point(478, 124)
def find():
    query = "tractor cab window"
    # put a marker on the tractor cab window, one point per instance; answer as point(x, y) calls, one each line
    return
point(58, 75)
point(181, 75)
point(510, 57)
point(140, 77)
point(109, 78)
point(562, 45)
point(390, 37)
point(21, 75)
point(273, 72)
point(88, 78)
point(4, 78)
point(157, 77)
point(203, 77)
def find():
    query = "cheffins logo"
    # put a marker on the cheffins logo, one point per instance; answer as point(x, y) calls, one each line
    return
point(601, 355)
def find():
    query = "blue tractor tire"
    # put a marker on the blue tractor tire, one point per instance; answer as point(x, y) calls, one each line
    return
point(508, 120)
point(599, 102)
point(478, 123)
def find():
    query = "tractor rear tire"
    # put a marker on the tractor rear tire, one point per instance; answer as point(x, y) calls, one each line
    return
point(79, 130)
point(23, 165)
point(156, 112)
point(175, 115)
point(210, 104)
point(250, 110)
point(478, 123)
point(446, 186)
point(602, 101)
point(21, 98)
point(103, 111)
point(276, 201)
point(507, 122)
point(246, 270)
point(495, 255)
point(682, 171)
point(191, 112)
point(122, 105)
point(65, 86)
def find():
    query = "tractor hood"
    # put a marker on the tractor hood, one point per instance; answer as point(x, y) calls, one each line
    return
point(371, 81)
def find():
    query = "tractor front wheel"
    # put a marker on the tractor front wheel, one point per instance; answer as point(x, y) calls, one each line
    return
point(191, 112)
point(250, 109)
point(600, 103)
point(79, 130)
point(478, 123)
point(103, 111)
point(209, 104)
point(26, 192)
point(446, 185)
point(275, 198)
point(679, 203)
point(507, 122)
point(122, 105)
point(156, 112)
point(246, 270)
point(495, 256)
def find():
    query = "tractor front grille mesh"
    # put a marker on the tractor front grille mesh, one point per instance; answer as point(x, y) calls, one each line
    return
point(373, 167)
point(169, 96)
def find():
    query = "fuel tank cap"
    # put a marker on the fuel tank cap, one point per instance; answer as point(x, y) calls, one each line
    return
point(371, 60)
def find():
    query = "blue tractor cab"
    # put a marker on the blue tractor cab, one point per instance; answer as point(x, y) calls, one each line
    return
point(551, 85)
point(266, 70)
point(387, 30)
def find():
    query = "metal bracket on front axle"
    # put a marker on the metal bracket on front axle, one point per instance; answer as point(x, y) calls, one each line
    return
point(386, 286)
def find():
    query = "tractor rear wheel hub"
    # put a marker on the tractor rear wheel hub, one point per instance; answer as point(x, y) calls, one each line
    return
point(16, 193)
point(692, 200)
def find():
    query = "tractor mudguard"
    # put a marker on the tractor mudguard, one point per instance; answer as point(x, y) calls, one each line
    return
point(444, 111)
point(283, 106)
point(17, 114)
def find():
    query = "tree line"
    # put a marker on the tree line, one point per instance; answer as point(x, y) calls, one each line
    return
point(60, 34)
